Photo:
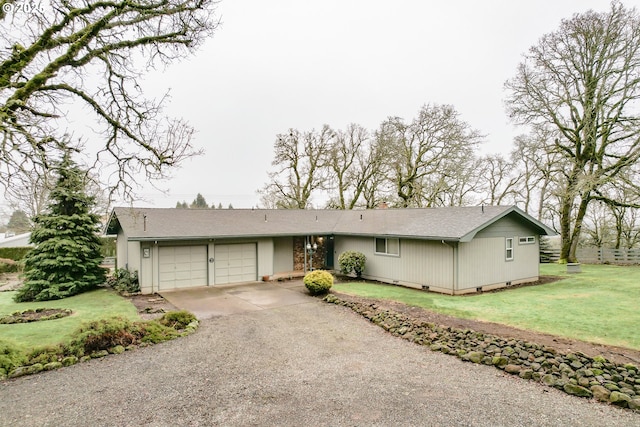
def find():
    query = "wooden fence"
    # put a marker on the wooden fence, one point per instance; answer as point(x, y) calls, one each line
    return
point(597, 256)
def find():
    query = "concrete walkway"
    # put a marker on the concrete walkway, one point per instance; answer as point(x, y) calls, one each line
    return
point(211, 301)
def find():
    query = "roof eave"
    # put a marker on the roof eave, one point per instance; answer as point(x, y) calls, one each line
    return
point(543, 229)
point(401, 236)
point(214, 237)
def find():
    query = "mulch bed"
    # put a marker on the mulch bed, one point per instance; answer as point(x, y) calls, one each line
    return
point(39, 314)
point(151, 306)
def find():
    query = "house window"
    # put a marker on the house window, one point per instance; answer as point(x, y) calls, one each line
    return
point(387, 246)
point(509, 248)
point(529, 240)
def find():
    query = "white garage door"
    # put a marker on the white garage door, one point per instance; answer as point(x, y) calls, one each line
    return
point(235, 263)
point(182, 267)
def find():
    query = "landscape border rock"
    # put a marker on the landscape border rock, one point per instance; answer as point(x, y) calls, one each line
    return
point(574, 373)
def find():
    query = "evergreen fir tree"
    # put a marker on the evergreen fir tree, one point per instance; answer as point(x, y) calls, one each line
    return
point(66, 258)
point(199, 202)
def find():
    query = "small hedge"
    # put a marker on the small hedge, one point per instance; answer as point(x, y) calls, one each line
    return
point(15, 254)
point(352, 262)
point(318, 282)
point(10, 357)
point(177, 319)
point(9, 266)
point(124, 281)
point(95, 339)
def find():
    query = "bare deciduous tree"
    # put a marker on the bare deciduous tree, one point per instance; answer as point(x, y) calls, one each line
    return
point(356, 164)
point(91, 53)
point(301, 159)
point(436, 140)
point(29, 191)
point(501, 179)
point(584, 81)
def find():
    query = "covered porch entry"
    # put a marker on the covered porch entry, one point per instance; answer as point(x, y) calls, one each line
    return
point(294, 256)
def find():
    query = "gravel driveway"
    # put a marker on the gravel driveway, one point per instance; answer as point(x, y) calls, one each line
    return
point(307, 364)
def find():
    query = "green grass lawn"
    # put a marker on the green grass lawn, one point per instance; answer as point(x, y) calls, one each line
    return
point(601, 304)
point(88, 306)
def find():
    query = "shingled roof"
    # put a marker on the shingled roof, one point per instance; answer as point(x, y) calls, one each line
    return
point(448, 223)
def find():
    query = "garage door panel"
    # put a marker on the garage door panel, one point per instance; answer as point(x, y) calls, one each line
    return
point(235, 263)
point(182, 266)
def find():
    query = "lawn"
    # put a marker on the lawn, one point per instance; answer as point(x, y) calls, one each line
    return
point(88, 306)
point(601, 304)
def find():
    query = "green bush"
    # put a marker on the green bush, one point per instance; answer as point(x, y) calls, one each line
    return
point(15, 254)
point(8, 267)
point(108, 333)
point(44, 355)
point(111, 335)
point(101, 335)
point(155, 332)
point(123, 281)
point(177, 320)
point(10, 357)
point(352, 262)
point(318, 282)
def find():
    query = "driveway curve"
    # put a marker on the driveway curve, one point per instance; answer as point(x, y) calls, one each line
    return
point(306, 364)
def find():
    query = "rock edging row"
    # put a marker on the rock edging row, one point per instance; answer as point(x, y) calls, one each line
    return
point(574, 373)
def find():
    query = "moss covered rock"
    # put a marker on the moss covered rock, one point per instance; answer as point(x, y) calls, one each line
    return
point(600, 393)
point(577, 390)
point(619, 399)
point(474, 356)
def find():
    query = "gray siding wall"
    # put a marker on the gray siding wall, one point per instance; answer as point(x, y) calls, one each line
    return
point(265, 257)
point(505, 227)
point(282, 255)
point(482, 262)
point(147, 276)
point(421, 263)
point(121, 250)
point(133, 256)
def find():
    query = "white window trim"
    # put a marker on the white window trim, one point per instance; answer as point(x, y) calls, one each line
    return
point(527, 240)
point(386, 246)
point(508, 245)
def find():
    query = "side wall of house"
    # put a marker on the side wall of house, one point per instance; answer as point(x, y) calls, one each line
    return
point(121, 250)
point(282, 255)
point(419, 264)
point(483, 261)
point(133, 256)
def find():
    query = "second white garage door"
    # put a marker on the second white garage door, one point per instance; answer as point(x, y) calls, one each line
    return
point(235, 263)
point(182, 267)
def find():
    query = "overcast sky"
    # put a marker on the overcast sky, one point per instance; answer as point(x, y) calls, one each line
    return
point(274, 65)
